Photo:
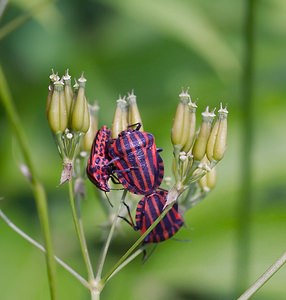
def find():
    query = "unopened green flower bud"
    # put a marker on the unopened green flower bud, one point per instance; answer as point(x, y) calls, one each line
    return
point(53, 78)
point(203, 183)
point(120, 117)
point(134, 116)
point(68, 91)
point(211, 178)
point(191, 128)
point(57, 111)
point(212, 140)
point(208, 182)
point(80, 115)
point(199, 149)
point(220, 143)
point(90, 134)
point(180, 129)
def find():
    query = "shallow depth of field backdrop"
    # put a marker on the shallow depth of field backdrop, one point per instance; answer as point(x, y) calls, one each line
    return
point(155, 48)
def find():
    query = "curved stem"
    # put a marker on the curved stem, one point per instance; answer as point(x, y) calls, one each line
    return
point(80, 232)
point(264, 278)
point(38, 189)
point(41, 248)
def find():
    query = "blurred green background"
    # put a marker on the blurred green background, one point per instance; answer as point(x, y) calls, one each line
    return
point(156, 48)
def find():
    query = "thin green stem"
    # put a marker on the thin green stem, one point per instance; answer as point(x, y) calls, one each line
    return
point(135, 245)
point(245, 199)
point(108, 240)
point(80, 232)
point(127, 261)
point(264, 278)
point(38, 190)
point(42, 248)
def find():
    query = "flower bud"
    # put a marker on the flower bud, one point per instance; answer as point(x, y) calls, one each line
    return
point(220, 143)
point(53, 78)
point(192, 127)
point(90, 134)
point(57, 111)
point(120, 117)
point(199, 149)
point(133, 111)
point(80, 115)
point(68, 92)
point(212, 140)
point(211, 178)
point(203, 183)
point(180, 129)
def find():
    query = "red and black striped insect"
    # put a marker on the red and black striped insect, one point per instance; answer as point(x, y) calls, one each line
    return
point(99, 168)
point(137, 162)
point(148, 210)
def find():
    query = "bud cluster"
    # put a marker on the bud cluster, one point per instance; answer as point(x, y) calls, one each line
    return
point(196, 152)
point(69, 118)
point(126, 114)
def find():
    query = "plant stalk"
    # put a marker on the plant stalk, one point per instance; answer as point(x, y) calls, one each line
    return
point(38, 190)
point(135, 245)
point(246, 198)
point(108, 240)
point(264, 278)
point(80, 232)
point(41, 248)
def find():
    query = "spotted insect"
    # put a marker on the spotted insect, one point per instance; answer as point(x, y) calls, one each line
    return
point(148, 210)
point(138, 164)
point(99, 168)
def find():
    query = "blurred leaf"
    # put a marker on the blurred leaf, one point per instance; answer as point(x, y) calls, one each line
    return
point(3, 4)
point(32, 12)
point(44, 12)
point(187, 24)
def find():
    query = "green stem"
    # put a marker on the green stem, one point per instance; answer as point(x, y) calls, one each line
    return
point(38, 190)
point(80, 232)
point(41, 248)
point(127, 261)
point(135, 245)
point(245, 199)
point(264, 278)
point(108, 240)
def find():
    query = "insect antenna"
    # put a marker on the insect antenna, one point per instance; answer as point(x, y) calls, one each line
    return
point(108, 199)
point(130, 221)
point(146, 256)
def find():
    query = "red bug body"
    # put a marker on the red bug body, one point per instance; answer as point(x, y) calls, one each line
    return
point(99, 168)
point(138, 165)
point(148, 210)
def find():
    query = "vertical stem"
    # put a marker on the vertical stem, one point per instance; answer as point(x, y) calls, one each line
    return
point(245, 200)
point(80, 232)
point(38, 190)
point(108, 240)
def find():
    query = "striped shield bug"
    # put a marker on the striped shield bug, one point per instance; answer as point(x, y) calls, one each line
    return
point(148, 210)
point(99, 168)
point(137, 162)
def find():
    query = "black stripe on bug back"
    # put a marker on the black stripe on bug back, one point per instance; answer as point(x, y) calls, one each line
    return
point(148, 210)
point(145, 164)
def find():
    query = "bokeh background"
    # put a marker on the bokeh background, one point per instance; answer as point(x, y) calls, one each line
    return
point(156, 48)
